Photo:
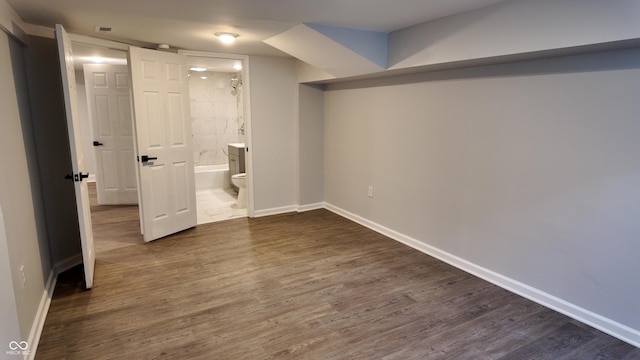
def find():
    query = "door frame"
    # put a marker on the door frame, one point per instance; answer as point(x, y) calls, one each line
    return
point(246, 94)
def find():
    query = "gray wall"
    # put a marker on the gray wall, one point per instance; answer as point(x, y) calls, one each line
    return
point(273, 103)
point(19, 194)
point(9, 323)
point(310, 145)
point(52, 145)
point(529, 169)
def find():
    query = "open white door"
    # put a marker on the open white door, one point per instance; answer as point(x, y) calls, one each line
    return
point(163, 142)
point(77, 157)
point(109, 100)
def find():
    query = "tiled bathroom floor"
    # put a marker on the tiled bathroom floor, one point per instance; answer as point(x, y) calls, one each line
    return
point(215, 205)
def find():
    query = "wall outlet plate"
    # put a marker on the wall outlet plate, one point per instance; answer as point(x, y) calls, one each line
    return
point(370, 191)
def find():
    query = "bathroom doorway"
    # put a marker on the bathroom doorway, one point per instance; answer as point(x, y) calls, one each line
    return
point(227, 107)
point(219, 126)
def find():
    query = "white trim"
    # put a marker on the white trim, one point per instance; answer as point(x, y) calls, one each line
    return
point(41, 315)
point(213, 54)
point(611, 327)
point(66, 264)
point(11, 22)
point(309, 207)
point(45, 302)
point(40, 31)
point(109, 44)
point(276, 211)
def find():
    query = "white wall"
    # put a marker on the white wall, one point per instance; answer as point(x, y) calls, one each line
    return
point(514, 27)
point(273, 103)
point(215, 119)
point(529, 170)
point(308, 73)
point(19, 197)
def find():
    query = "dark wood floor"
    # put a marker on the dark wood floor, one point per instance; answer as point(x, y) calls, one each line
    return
point(294, 286)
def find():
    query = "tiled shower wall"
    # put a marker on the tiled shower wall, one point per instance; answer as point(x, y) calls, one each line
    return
point(216, 116)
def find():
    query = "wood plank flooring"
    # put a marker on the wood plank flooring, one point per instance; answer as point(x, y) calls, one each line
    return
point(294, 286)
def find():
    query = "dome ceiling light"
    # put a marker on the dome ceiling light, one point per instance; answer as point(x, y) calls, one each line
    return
point(227, 38)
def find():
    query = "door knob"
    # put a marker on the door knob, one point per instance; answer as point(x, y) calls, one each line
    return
point(76, 177)
point(146, 158)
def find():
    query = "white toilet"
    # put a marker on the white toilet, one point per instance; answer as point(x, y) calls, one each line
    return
point(240, 180)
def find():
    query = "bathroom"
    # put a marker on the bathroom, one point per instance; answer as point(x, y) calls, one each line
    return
point(218, 127)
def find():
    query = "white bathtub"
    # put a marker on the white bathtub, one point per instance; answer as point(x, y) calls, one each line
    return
point(212, 177)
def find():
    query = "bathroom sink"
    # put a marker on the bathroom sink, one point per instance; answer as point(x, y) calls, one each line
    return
point(237, 145)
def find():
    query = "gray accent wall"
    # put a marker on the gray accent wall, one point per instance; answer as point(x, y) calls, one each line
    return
point(273, 137)
point(310, 145)
point(52, 146)
point(25, 243)
point(530, 170)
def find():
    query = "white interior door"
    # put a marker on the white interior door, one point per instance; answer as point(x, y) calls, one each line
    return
point(109, 102)
point(77, 157)
point(163, 142)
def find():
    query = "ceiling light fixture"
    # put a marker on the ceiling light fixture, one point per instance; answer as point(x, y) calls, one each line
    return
point(237, 66)
point(198, 69)
point(227, 38)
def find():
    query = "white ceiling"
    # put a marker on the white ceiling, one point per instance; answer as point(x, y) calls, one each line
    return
point(191, 24)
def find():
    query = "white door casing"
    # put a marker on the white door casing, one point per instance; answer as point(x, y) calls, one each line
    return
point(163, 133)
point(109, 102)
point(77, 157)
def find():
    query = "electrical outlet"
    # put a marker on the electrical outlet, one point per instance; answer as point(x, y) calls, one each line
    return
point(370, 191)
point(23, 278)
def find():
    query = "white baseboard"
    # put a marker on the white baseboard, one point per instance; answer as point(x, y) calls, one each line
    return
point(309, 207)
point(275, 211)
point(41, 315)
point(611, 327)
point(45, 302)
point(66, 264)
point(286, 209)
